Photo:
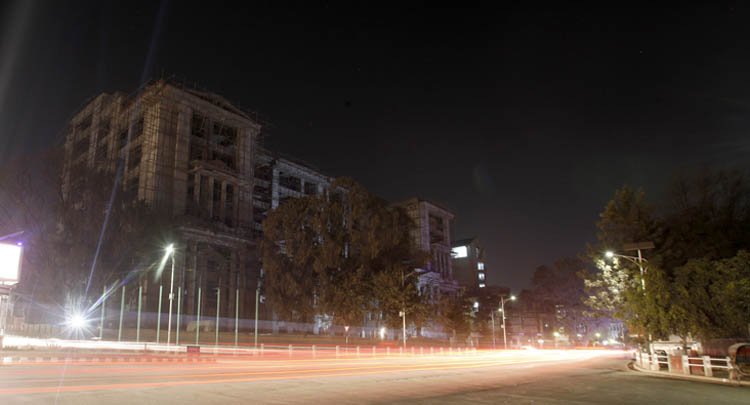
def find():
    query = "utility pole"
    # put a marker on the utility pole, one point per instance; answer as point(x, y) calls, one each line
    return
point(492, 316)
point(502, 308)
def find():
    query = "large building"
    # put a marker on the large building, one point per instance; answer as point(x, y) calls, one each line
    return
point(431, 233)
point(191, 154)
point(468, 263)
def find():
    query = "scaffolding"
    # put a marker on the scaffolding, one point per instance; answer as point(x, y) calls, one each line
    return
point(190, 154)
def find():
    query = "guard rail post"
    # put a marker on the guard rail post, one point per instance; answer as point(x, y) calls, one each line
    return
point(707, 370)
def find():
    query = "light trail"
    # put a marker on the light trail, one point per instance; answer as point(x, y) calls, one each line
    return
point(259, 369)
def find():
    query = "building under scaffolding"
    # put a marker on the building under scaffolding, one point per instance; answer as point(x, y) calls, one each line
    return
point(191, 154)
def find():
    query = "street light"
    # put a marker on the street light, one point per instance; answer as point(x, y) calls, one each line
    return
point(638, 246)
point(635, 259)
point(403, 312)
point(170, 252)
point(502, 309)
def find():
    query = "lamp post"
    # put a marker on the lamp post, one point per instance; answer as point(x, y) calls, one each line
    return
point(403, 311)
point(637, 260)
point(170, 252)
point(502, 308)
point(492, 316)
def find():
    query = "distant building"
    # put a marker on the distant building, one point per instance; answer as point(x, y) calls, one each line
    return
point(277, 179)
point(469, 268)
point(431, 233)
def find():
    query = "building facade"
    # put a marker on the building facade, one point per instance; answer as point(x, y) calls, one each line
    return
point(431, 233)
point(192, 155)
point(469, 268)
point(277, 179)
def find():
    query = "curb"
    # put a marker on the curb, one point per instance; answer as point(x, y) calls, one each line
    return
point(77, 360)
point(699, 378)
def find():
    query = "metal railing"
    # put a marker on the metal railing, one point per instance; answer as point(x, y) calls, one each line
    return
point(686, 365)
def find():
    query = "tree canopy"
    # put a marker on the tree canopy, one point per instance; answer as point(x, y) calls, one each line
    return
point(342, 253)
point(695, 275)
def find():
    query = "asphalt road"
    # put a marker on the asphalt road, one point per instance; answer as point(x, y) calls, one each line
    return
point(485, 377)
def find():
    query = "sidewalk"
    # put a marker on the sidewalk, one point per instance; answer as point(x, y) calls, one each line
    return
point(633, 366)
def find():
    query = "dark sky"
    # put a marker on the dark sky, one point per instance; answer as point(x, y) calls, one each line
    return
point(522, 120)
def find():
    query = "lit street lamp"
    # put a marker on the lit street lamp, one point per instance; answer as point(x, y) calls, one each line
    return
point(403, 312)
point(637, 260)
point(170, 252)
point(502, 309)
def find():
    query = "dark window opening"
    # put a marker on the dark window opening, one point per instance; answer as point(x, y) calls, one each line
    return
point(137, 129)
point(81, 147)
point(84, 124)
point(135, 157)
point(225, 158)
point(291, 182)
point(217, 200)
point(198, 126)
point(264, 173)
point(224, 136)
point(102, 150)
point(311, 188)
point(197, 152)
point(122, 139)
point(133, 184)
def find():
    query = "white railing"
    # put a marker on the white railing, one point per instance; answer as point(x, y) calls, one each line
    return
point(686, 365)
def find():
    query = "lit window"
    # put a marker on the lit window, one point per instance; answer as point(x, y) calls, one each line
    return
point(481, 285)
point(459, 252)
point(481, 276)
point(480, 265)
point(476, 305)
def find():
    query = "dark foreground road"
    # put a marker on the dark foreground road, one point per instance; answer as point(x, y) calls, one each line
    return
point(492, 378)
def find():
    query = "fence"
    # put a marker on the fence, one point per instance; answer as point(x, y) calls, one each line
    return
point(686, 365)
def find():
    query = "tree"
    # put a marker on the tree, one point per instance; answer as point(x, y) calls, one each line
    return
point(714, 296)
point(343, 253)
point(704, 225)
point(455, 315)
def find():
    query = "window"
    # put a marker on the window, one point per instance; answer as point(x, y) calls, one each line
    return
point(481, 276)
point(103, 129)
point(311, 188)
point(224, 136)
point(101, 152)
point(84, 124)
point(81, 147)
point(197, 151)
point(480, 265)
point(137, 128)
point(198, 127)
point(459, 252)
point(135, 158)
point(122, 139)
point(481, 285)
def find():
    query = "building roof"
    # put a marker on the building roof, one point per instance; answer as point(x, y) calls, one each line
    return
point(463, 242)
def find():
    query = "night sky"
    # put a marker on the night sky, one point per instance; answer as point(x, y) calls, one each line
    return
point(522, 121)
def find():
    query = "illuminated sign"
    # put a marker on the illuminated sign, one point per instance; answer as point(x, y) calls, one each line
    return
point(10, 263)
point(459, 252)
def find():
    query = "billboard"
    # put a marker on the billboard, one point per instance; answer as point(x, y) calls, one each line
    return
point(10, 263)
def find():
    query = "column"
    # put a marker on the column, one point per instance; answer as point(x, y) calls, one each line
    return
point(192, 296)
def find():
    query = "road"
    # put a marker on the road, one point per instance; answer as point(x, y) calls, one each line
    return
point(277, 377)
